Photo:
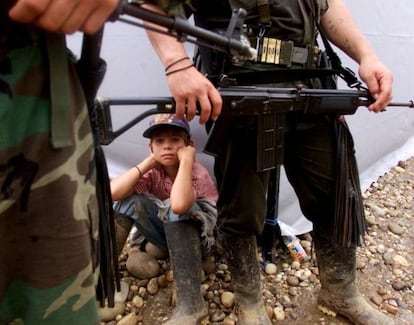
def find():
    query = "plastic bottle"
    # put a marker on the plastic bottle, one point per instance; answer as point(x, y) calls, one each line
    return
point(296, 250)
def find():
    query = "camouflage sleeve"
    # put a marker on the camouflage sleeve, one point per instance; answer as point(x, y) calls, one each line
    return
point(172, 7)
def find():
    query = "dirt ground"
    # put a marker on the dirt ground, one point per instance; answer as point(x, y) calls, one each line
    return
point(385, 266)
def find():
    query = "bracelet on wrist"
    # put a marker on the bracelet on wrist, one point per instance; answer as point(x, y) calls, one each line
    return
point(180, 69)
point(139, 171)
point(175, 62)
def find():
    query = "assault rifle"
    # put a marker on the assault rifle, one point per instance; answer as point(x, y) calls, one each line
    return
point(269, 105)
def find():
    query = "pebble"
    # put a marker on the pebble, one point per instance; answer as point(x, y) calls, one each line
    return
point(279, 313)
point(217, 316)
point(293, 281)
point(376, 300)
point(121, 296)
point(399, 169)
point(270, 268)
point(130, 319)
point(152, 287)
point(400, 261)
point(155, 251)
point(377, 211)
point(138, 301)
point(142, 265)
point(395, 228)
point(110, 313)
point(162, 281)
point(228, 321)
point(227, 299)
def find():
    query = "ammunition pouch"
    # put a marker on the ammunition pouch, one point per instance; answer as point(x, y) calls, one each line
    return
point(286, 54)
point(270, 132)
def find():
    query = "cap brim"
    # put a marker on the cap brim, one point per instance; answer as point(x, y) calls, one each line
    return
point(148, 132)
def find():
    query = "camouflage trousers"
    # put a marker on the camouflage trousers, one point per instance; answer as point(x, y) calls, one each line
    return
point(48, 210)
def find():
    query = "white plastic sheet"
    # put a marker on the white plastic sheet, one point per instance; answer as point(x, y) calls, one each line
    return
point(381, 139)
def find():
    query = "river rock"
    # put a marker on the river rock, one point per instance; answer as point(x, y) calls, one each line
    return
point(142, 265)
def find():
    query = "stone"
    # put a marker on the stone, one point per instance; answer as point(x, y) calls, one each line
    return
point(227, 299)
point(107, 314)
point(142, 265)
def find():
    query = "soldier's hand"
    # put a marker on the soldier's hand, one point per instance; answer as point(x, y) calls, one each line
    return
point(378, 79)
point(190, 88)
point(64, 16)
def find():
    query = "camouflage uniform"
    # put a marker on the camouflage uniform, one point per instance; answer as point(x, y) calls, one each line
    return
point(48, 211)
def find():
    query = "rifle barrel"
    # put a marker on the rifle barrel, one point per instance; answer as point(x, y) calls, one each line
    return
point(409, 104)
point(182, 27)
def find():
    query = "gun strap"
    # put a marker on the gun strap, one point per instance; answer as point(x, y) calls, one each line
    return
point(264, 12)
point(59, 91)
point(345, 73)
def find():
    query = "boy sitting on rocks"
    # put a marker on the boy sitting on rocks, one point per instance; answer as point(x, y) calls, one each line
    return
point(171, 198)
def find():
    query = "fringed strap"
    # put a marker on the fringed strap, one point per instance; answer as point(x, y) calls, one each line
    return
point(91, 70)
point(109, 278)
point(349, 221)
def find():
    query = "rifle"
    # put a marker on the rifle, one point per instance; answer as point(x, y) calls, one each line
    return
point(269, 105)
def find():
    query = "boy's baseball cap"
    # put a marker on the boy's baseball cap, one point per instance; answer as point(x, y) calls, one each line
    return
point(162, 120)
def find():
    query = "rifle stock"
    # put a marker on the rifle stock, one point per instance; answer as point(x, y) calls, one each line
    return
point(268, 105)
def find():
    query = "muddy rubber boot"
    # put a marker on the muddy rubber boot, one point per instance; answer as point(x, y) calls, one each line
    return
point(183, 239)
point(123, 225)
point(245, 272)
point(339, 293)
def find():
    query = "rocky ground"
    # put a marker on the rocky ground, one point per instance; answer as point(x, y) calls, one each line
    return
point(385, 270)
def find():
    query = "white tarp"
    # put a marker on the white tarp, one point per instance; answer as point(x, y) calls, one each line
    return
point(381, 139)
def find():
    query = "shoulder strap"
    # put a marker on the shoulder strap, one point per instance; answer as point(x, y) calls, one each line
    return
point(264, 12)
point(345, 73)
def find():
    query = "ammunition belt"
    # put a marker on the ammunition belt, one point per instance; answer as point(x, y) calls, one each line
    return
point(285, 53)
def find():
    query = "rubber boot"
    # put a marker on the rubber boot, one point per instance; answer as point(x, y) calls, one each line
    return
point(245, 271)
point(123, 225)
point(183, 239)
point(339, 293)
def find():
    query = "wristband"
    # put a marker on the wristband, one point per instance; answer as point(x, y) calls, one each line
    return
point(180, 69)
point(175, 62)
point(139, 171)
